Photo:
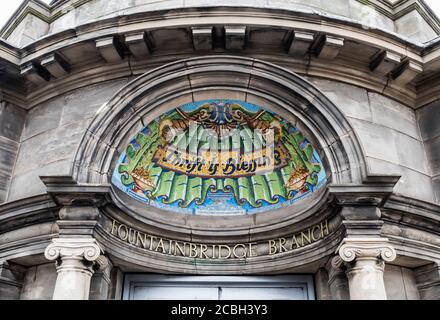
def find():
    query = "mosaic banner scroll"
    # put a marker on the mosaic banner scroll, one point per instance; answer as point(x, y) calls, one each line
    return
point(219, 157)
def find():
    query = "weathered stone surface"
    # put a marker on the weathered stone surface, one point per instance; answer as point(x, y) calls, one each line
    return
point(50, 147)
point(322, 287)
point(352, 9)
point(39, 282)
point(8, 154)
point(428, 281)
point(411, 184)
point(11, 125)
point(52, 133)
point(412, 153)
point(100, 286)
point(428, 120)
point(414, 26)
point(394, 115)
point(400, 283)
point(84, 103)
point(30, 29)
point(28, 184)
point(352, 100)
point(436, 186)
point(42, 119)
point(11, 280)
point(378, 141)
point(11, 121)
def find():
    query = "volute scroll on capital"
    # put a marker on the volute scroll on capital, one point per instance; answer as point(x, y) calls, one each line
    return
point(351, 249)
point(87, 249)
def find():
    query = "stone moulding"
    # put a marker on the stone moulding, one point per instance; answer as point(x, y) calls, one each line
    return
point(346, 70)
point(49, 13)
point(353, 248)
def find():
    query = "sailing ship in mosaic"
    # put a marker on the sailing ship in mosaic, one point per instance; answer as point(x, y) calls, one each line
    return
point(219, 157)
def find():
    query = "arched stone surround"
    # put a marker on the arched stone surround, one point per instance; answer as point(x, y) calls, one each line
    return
point(241, 78)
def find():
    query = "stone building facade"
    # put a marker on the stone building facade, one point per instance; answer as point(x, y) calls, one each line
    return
point(98, 202)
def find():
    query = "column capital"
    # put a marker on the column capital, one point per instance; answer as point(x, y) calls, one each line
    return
point(75, 248)
point(354, 248)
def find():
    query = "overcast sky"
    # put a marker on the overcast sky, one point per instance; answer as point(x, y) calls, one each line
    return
point(9, 6)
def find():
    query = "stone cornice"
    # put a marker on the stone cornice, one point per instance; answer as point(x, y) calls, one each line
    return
point(39, 209)
point(411, 212)
point(67, 192)
point(347, 69)
point(57, 9)
point(373, 192)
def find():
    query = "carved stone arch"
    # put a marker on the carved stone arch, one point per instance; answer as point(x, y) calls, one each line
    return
point(278, 86)
point(216, 77)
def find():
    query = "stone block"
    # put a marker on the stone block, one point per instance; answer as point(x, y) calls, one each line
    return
point(433, 152)
point(84, 103)
point(414, 26)
point(12, 120)
point(11, 280)
point(39, 282)
point(409, 280)
point(30, 29)
point(394, 285)
point(412, 183)
point(301, 43)
point(138, 44)
point(202, 38)
point(351, 100)
point(8, 152)
point(400, 283)
point(406, 72)
point(428, 117)
point(394, 115)
point(50, 147)
point(377, 141)
point(64, 22)
point(385, 62)
point(369, 17)
point(91, 10)
point(235, 37)
point(56, 65)
point(43, 118)
point(411, 153)
point(337, 7)
point(28, 184)
point(436, 186)
point(329, 47)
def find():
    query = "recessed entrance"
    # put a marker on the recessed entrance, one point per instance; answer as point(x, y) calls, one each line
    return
point(153, 287)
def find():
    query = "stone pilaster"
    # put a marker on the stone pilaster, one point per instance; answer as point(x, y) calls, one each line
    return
point(76, 259)
point(337, 279)
point(101, 280)
point(11, 280)
point(428, 281)
point(365, 260)
point(321, 285)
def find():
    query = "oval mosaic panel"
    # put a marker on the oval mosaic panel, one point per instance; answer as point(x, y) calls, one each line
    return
point(219, 157)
